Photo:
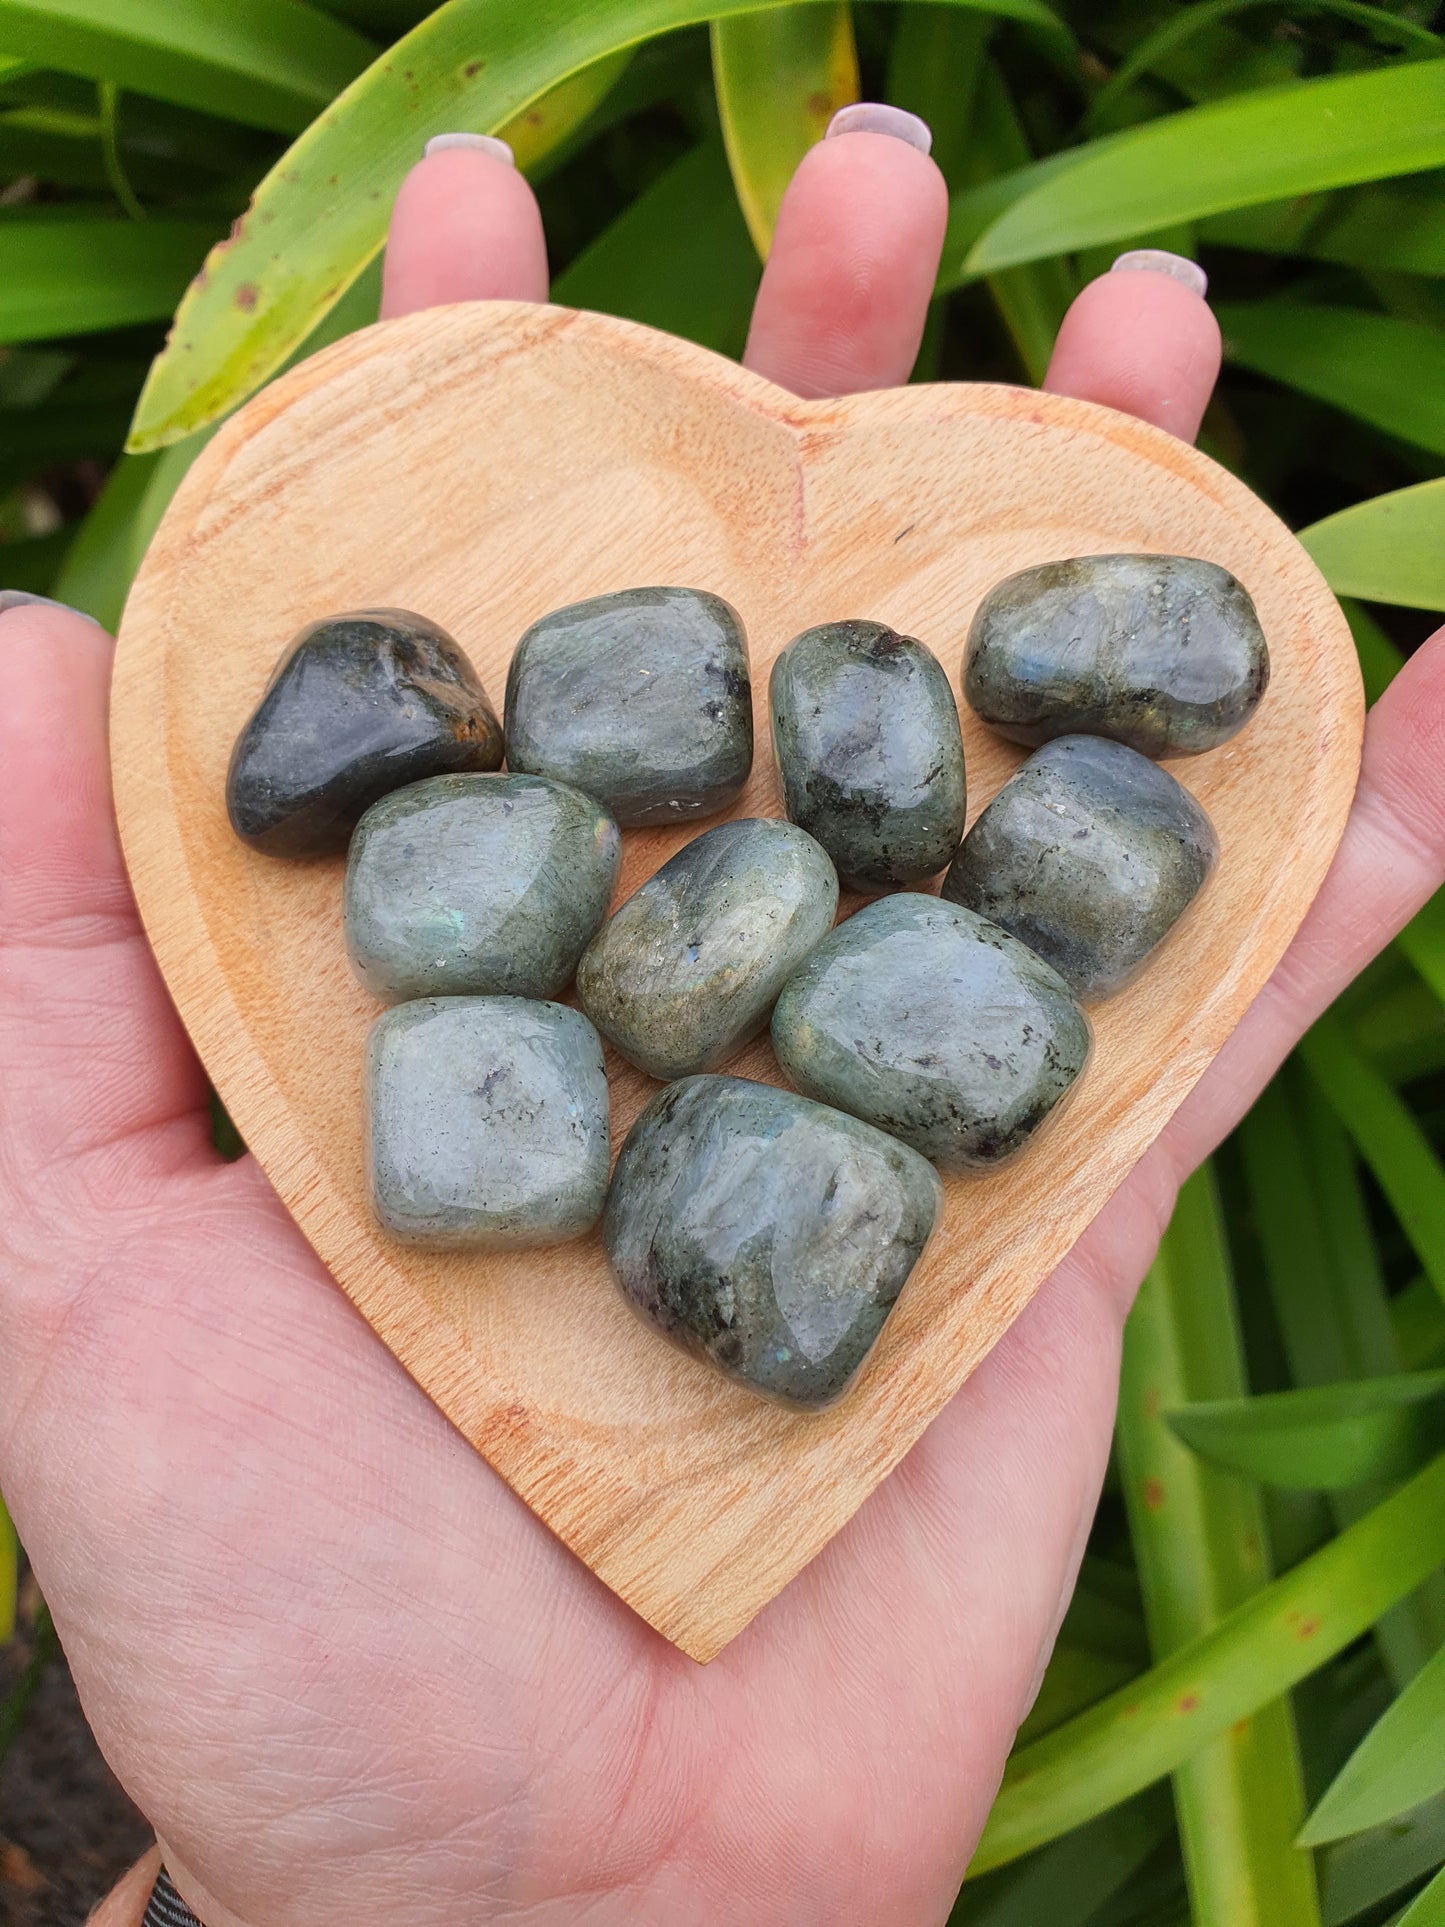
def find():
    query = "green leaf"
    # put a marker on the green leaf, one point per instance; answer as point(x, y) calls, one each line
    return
point(269, 63)
point(1388, 372)
point(1419, 1321)
point(9, 1575)
point(1323, 1275)
point(780, 78)
point(1399, 1763)
point(1065, 1884)
point(320, 215)
point(1428, 1908)
point(1358, 1873)
point(1199, 1541)
point(677, 258)
point(1423, 942)
point(1397, 225)
point(1258, 1651)
point(1152, 53)
point(1074, 1679)
point(1388, 549)
point(535, 135)
point(67, 276)
point(1388, 1138)
point(1253, 147)
point(1322, 1438)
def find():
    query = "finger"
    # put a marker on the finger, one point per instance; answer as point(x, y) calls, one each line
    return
point(465, 227)
point(94, 1055)
point(846, 289)
point(1391, 860)
point(1142, 339)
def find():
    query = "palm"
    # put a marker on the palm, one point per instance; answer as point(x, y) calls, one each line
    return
point(344, 1670)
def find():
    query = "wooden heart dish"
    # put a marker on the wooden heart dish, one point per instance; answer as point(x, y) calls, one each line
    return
point(485, 464)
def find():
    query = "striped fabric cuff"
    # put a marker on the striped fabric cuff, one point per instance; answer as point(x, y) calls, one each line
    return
point(166, 1908)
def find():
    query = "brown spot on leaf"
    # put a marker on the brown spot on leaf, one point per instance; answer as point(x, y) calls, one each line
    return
point(247, 295)
point(1307, 1628)
point(1154, 1494)
point(472, 69)
point(1151, 1402)
point(1189, 1703)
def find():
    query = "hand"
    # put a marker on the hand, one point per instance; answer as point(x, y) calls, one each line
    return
point(344, 1670)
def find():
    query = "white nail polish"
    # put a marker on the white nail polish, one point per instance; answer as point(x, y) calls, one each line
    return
point(479, 143)
point(23, 599)
point(876, 117)
point(1178, 267)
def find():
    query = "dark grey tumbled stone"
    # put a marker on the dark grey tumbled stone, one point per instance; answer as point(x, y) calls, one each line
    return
point(487, 1122)
point(687, 970)
point(477, 885)
point(765, 1234)
point(641, 698)
point(1089, 854)
point(1162, 652)
point(359, 705)
point(866, 736)
point(935, 1025)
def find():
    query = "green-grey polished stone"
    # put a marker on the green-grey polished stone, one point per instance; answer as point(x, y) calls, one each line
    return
point(1163, 652)
point(687, 970)
point(641, 698)
point(477, 885)
point(359, 704)
point(765, 1234)
point(865, 732)
point(487, 1122)
point(935, 1025)
point(1090, 854)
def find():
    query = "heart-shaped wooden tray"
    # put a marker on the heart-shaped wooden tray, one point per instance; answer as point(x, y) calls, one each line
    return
point(484, 464)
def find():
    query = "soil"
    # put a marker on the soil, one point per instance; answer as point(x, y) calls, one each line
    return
point(67, 1831)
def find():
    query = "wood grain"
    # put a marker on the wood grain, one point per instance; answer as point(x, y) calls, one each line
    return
point(484, 464)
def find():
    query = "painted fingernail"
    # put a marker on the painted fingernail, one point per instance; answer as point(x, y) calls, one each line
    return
point(481, 143)
point(20, 598)
point(875, 117)
point(1178, 267)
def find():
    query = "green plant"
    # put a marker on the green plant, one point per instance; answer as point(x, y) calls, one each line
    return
point(1283, 1404)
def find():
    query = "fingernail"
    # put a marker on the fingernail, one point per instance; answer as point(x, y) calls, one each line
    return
point(1178, 267)
point(19, 598)
point(875, 117)
point(482, 143)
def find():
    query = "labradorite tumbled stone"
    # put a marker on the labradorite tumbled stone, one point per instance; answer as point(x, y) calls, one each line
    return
point(486, 1122)
point(935, 1025)
point(475, 885)
point(765, 1234)
point(1162, 652)
point(1089, 854)
point(865, 732)
point(685, 973)
point(641, 698)
point(359, 705)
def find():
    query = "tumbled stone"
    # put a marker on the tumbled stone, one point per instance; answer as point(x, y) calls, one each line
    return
point(765, 1234)
point(687, 970)
point(359, 705)
point(487, 1122)
point(641, 698)
point(477, 885)
point(935, 1025)
point(865, 732)
point(1089, 854)
point(1162, 652)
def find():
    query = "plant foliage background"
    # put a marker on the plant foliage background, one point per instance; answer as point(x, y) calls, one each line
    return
point(1244, 1720)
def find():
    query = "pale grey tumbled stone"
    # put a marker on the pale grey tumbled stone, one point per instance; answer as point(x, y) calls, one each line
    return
point(1162, 652)
point(477, 885)
point(641, 698)
point(935, 1025)
point(1089, 854)
point(487, 1122)
point(687, 970)
point(765, 1234)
